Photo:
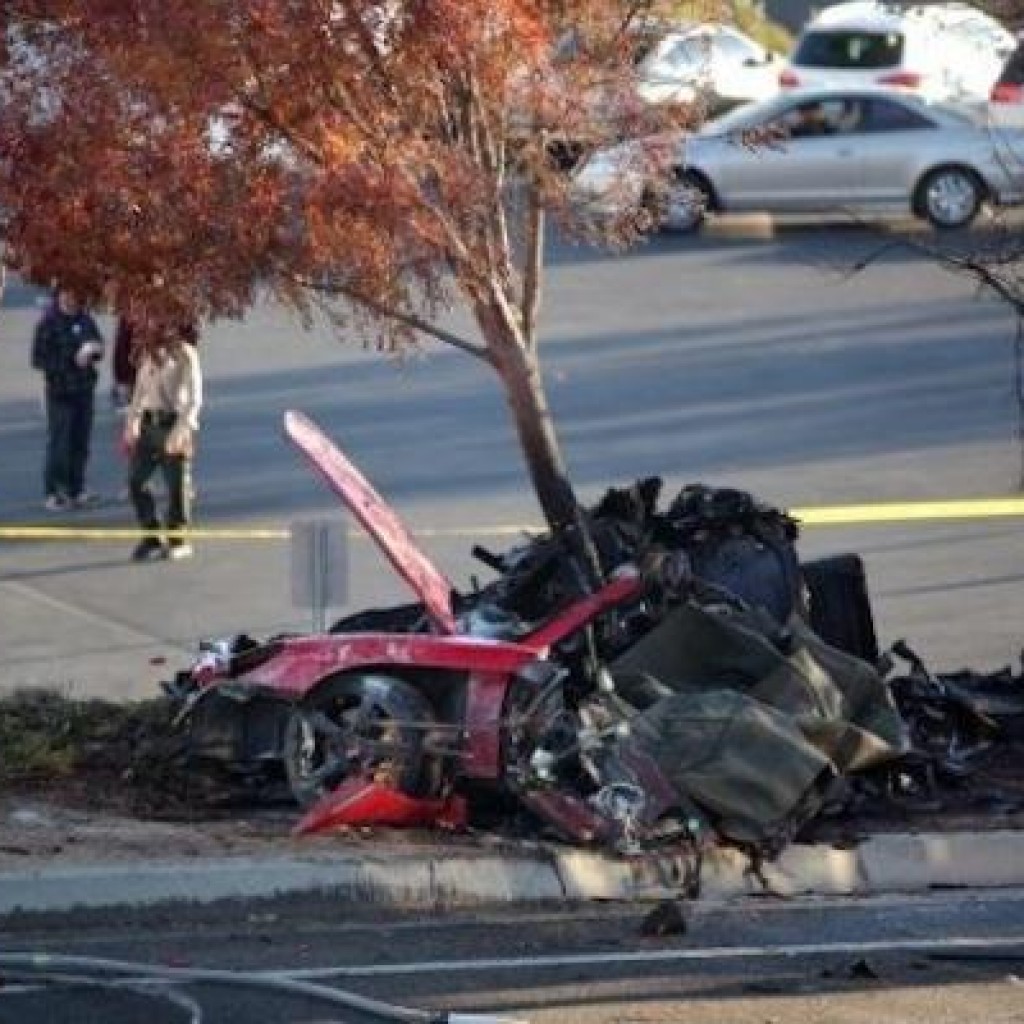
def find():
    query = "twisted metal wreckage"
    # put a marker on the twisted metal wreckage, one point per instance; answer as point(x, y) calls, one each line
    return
point(713, 689)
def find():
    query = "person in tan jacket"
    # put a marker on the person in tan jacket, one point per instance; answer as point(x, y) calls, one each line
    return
point(160, 427)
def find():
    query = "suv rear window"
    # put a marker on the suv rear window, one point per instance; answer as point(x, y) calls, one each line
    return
point(1013, 73)
point(846, 49)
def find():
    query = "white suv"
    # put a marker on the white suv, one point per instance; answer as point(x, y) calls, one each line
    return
point(944, 51)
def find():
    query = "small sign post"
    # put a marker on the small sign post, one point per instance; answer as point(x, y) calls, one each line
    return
point(319, 564)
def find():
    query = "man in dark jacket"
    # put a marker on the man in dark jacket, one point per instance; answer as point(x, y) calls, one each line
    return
point(67, 348)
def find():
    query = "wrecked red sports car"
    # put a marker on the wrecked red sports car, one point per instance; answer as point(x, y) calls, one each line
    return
point(711, 685)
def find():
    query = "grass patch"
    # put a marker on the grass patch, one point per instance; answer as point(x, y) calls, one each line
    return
point(121, 752)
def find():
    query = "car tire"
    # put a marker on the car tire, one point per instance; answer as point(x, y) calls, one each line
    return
point(680, 204)
point(949, 197)
point(322, 737)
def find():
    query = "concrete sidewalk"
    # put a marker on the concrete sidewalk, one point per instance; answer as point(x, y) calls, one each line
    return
point(440, 877)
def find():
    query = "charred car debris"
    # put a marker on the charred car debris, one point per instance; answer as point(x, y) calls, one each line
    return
point(712, 689)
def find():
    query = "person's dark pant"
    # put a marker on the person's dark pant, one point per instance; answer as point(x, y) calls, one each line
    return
point(69, 429)
point(150, 454)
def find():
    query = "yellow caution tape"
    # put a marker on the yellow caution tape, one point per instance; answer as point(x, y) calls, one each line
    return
point(126, 533)
point(904, 512)
point(834, 515)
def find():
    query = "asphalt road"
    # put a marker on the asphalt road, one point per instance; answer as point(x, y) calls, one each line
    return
point(759, 364)
point(947, 957)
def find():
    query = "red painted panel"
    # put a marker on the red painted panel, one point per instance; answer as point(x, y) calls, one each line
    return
point(624, 585)
point(362, 802)
point(377, 517)
point(305, 660)
point(485, 701)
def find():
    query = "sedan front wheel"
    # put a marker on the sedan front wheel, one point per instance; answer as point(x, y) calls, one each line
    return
point(359, 726)
point(950, 197)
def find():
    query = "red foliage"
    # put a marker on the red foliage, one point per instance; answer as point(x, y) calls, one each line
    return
point(363, 145)
point(176, 158)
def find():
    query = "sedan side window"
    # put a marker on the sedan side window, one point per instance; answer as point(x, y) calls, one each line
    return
point(883, 115)
point(848, 116)
point(814, 119)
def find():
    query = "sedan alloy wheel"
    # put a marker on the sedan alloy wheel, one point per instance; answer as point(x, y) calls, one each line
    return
point(950, 197)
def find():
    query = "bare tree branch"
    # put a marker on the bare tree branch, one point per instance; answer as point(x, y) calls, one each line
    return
point(411, 320)
point(977, 264)
point(998, 272)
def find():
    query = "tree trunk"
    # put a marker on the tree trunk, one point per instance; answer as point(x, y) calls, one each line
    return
point(524, 392)
point(520, 374)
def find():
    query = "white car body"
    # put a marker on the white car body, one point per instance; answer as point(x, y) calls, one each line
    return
point(944, 51)
point(712, 61)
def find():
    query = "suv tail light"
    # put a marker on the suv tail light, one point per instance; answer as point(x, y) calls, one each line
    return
point(902, 79)
point(789, 79)
point(1007, 92)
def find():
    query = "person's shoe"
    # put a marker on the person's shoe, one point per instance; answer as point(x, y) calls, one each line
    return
point(148, 548)
point(55, 503)
point(179, 551)
point(85, 499)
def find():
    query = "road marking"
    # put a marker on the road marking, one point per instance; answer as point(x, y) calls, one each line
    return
point(658, 956)
point(823, 515)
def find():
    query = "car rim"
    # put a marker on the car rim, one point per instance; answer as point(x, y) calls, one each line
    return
point(370, 730)
point(951, 198)
point(320, 759)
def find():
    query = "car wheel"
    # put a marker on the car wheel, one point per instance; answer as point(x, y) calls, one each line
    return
point(366, 726)
point(949, 197)
point(679, 205)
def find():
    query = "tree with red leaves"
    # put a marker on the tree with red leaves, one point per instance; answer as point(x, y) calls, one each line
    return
point(392, 158)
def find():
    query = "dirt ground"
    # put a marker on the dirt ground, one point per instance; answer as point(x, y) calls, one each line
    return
point(125, 804)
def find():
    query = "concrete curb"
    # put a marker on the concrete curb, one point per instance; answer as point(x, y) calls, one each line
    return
point(741, 226)
point(441, 879)
point(758, 226)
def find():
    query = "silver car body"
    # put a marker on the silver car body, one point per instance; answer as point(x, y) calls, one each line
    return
point(874, 161)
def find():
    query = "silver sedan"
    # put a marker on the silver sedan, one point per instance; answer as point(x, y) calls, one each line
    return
point(827, 151)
